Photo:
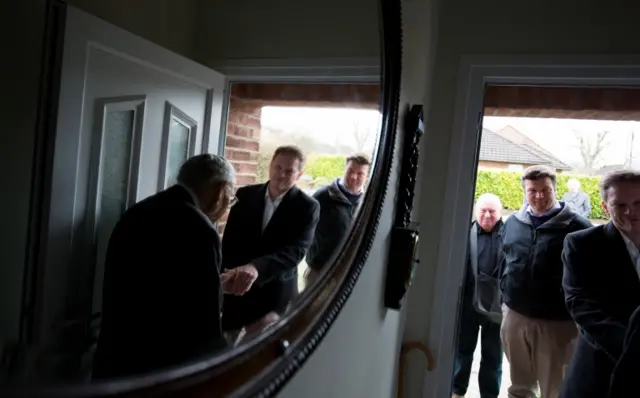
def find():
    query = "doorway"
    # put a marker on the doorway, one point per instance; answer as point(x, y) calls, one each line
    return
point(477, 75)
point(327, 121)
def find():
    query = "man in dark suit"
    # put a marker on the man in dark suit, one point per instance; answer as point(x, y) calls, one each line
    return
point(266, 236)
point(602, 286)
point(162, 288)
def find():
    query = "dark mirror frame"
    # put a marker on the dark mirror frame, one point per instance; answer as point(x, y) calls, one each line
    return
point(264, 365)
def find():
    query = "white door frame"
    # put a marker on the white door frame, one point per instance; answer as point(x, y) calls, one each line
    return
point(476, 71)
point(321, 70)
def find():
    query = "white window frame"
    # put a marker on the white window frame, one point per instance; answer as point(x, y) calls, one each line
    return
point(172, 112)
point(475, 72)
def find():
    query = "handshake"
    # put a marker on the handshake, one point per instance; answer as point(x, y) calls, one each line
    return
point(238, 281)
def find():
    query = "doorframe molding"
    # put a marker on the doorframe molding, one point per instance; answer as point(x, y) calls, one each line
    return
point(358, 70)
point(475, 72)
point(301, 70)
point(41, 178)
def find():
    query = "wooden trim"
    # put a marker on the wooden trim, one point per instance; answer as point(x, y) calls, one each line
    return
point(599, 103)
point(404, 351)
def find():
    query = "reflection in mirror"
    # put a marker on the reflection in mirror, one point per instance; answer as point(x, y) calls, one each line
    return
point(303, 155)
point(188, 212)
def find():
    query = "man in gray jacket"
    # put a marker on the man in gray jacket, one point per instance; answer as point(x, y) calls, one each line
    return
point(577, 200)
point(338, 202)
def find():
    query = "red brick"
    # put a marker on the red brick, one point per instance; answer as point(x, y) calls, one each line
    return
point(249, 132)
point(356, 95)
point(251, 108)
point(235, 117)
point(238, 143)
point(245, 168)
point(241, 155)
point(245, 179)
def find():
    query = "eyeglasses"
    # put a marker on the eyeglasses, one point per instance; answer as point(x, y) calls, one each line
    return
point(233, 201)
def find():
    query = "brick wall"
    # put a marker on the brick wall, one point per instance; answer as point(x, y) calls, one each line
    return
point(243, 141)
point(598, 103)
point(243, 138)
point(486, 164)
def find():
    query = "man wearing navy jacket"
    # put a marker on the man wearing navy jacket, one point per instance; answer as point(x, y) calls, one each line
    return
point(537, 331)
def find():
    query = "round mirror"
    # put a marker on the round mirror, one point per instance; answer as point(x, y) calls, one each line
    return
point(206, 196)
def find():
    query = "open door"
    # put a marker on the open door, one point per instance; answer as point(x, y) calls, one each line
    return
point(130, 112)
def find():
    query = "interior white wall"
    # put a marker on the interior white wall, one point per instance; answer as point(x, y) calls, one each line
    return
point(357, 357)
point(284, 29)
point(499, 27)
point(170, 23)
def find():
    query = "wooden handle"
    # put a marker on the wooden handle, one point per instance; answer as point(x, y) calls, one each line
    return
point(406, 348)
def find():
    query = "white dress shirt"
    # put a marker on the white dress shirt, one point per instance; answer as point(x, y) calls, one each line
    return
point(634, 253)
point(270, 207)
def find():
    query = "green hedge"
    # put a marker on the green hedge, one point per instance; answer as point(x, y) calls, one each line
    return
point(507, 186)
point(324, 167)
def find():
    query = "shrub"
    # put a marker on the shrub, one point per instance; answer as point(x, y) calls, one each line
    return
point(263, 166)
point(507, 186)
point(326, 166)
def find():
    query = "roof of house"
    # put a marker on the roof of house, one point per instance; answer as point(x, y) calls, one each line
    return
point(515, 148)
point(609, 168)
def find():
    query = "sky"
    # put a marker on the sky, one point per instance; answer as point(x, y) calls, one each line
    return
point(330, 125)
point(558, 136)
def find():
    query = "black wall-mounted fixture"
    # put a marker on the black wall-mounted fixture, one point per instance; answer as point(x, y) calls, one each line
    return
point(405, 232)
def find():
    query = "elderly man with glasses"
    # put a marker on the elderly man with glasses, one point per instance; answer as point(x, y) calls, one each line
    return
point(163, 286)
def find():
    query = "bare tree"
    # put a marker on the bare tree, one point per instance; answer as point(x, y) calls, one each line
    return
point(591, 148)
point(361, 135)
point(630, 155)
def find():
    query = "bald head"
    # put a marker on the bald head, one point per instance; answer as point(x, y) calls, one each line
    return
point(488, 211)
point(573, 185)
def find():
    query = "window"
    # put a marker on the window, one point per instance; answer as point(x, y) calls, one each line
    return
point(179, 134)
point(115, 162)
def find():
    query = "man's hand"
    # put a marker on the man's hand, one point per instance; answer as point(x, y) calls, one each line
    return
point(226, 280)
point(239, 280)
